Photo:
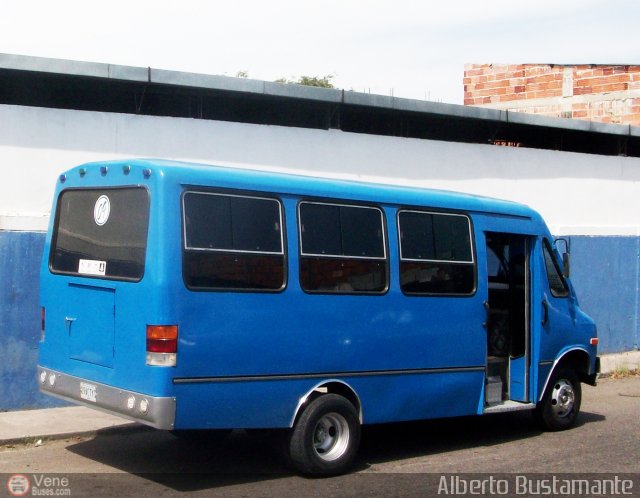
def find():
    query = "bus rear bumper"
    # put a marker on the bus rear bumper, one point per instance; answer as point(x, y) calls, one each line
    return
point(158, 412)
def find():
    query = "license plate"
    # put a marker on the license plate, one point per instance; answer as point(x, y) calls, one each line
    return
point(88, 391)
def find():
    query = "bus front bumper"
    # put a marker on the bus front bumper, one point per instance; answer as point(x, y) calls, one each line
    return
point(158, 412)
point(592, 379)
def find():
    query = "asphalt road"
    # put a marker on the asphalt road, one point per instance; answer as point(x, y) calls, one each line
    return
point(395, 460)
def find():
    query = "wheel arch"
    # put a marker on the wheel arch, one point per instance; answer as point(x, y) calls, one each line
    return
point(576, 358)
point(329, 386)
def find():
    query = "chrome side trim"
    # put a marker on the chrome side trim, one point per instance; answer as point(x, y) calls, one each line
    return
point(160, 413)
point(555, 364)
point(318, 386)
point(371, 373)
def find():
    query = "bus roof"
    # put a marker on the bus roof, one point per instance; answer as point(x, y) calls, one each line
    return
point(194, 174)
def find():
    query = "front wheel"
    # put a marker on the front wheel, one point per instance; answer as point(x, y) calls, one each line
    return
point(326, 436)
point(560, 404)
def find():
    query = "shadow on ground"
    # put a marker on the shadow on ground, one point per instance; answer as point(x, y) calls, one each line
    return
point(246, 458)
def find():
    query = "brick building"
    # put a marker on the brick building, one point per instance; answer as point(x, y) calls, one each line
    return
point(596, 92)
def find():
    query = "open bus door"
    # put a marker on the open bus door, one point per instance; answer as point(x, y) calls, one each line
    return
point(509, 318)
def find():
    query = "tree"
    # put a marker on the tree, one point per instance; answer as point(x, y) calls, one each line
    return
point(317, 81)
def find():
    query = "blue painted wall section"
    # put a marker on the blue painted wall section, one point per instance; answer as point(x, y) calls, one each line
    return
point(605, 273)
point(20, 254)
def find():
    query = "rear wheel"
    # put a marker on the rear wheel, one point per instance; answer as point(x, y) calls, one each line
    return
point(560, 404)
point(326, 436)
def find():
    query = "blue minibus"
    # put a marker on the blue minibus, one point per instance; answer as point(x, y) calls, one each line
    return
point(193, 297)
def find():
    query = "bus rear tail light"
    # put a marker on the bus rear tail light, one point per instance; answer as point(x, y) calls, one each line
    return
point(162, 345)
point(593, 341)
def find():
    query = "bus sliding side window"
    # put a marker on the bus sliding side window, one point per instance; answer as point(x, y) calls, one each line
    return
point(436, 255)
point(232, 242)
point(342, 248)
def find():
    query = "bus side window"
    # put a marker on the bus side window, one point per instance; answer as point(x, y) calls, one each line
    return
point(342, 248)
point(436, 255)
point(557, 284)
point(232, 242)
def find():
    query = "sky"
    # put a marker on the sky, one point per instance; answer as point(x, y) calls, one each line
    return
point(406, 48)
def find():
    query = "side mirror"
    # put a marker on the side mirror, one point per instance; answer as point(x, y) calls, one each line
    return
point(566, 265)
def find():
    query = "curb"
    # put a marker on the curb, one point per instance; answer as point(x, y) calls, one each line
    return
point(629, 360)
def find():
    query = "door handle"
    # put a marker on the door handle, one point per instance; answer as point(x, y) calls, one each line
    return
point(487, 308)
point(545, 312)
point(68, 320)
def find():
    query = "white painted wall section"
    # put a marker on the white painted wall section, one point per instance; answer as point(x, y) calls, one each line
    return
point(577, 194)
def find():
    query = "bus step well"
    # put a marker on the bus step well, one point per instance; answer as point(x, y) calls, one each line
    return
point(509, 406)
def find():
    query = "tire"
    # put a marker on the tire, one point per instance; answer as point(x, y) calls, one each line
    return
point(325, 438)
point(560, 404)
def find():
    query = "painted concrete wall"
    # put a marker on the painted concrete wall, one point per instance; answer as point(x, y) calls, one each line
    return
point(579, 194)
point(595, 199)
point(19, 319)
point(606, 276)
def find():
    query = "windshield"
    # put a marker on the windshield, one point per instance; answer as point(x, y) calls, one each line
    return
point(101, 233)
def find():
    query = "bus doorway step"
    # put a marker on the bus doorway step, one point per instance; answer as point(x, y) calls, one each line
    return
point(509, 406)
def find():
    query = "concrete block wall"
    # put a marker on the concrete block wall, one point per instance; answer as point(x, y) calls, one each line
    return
point(20, 317)
point(604, 93)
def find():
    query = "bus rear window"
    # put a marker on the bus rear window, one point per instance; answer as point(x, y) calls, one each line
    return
point(101, 233)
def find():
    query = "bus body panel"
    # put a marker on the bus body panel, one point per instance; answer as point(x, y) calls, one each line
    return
point(325, 334)
point(269, 403)
point(75, 341)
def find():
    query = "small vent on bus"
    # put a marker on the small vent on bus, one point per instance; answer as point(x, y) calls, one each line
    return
point(42, 323)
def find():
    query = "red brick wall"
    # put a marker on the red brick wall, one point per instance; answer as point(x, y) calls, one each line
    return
point(609, 94)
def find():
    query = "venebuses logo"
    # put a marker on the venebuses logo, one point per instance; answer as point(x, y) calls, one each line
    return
point(18, 485)
point(101, 210)
point(38, 485)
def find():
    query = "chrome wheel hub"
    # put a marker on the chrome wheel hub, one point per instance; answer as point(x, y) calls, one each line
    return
point(562, 398)
point(331, 436)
